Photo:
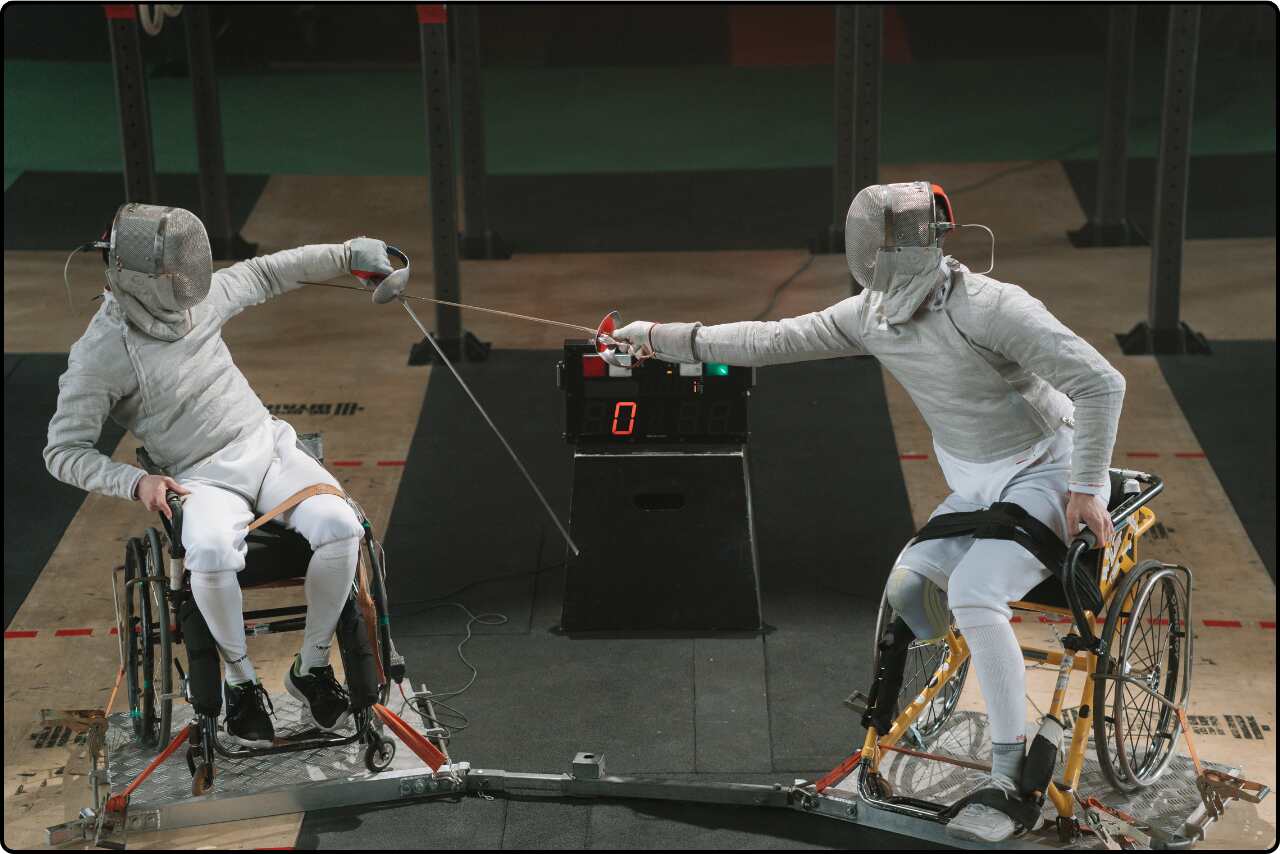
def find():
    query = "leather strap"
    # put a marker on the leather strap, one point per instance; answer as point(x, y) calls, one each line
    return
point(294, 500)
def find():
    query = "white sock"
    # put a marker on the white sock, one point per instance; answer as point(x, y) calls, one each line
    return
point(329, 577)
point(221, 603)
point(997, 659)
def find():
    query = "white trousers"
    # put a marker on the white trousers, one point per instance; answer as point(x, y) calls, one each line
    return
point(981, 577)
point(228, 491)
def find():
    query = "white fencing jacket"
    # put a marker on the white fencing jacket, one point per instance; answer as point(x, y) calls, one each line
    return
point(185, 400)
point(990, 369)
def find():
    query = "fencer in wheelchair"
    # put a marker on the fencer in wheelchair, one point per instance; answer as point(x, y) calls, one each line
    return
point(153, 360)
point(1023, 414)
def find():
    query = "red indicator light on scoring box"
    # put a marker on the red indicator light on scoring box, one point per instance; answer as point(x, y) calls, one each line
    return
point(594, 366)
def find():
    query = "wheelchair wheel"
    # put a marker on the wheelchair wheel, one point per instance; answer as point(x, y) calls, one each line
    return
point(378, 591)
point(1148, 637)
point(146, 626)
point(163, 652)
point(378, 755)
point(924, 659)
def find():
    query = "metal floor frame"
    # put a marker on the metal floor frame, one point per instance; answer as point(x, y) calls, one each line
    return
point(324, 779)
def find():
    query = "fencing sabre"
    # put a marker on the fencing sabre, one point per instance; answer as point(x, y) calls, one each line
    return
point(385, 293)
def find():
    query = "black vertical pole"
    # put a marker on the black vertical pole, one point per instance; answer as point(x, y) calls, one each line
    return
point(215, 209)
point(842, 110)
point(131, 100)
point(442, 184)
point(478, 240)
point(1164, 332)
point(1108, 224)
point(868, 61)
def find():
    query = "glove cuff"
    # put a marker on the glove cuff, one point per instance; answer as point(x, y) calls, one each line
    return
point(674, 342)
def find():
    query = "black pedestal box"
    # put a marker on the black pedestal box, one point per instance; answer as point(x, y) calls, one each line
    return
point(667, 541)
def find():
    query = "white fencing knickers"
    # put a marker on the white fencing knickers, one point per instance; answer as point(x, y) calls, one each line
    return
point(982, 576)
point(248, 477)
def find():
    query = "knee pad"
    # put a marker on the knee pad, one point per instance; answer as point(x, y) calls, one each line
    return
point(919, 602)
point(204, 673)
point(323, 519)
point(215, 552)
point(358, 662)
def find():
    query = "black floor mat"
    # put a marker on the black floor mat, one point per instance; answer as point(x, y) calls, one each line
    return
point(831, 512)
point(1230, 195)
point(61, 210)
point(37, 508)
point(1229, 399)
point(661, 211)
point(831, 508)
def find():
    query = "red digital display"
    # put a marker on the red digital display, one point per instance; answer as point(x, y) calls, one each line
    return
point(624, 419)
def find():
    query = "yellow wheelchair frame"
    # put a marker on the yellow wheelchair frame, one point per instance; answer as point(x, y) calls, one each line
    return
point(1082, 651)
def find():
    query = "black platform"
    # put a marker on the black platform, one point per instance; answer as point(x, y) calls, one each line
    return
point(831, 511)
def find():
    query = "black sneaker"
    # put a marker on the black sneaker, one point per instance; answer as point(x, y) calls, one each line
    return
point(325, 703)
point(247, 722)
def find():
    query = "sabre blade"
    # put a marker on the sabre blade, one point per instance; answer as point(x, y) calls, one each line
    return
point(497, 311)
point(514, 457)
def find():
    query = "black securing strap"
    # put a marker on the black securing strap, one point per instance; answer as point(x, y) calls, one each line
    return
point(1025, 813)
point(1003, 520)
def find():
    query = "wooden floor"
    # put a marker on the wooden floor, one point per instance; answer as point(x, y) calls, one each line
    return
point(323, 345)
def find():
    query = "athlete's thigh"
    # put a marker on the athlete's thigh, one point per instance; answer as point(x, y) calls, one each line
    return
point(938, 559)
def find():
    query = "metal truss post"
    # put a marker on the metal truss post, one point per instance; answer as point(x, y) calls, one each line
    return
point(1108, 225)
point(215, 209)
point(442, 184)
point(1163, 332)
point(842, 110)
point(478, 240)
point(868, 65)
point(131, 101)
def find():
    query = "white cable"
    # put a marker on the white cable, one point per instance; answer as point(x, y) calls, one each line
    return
point(152, 15)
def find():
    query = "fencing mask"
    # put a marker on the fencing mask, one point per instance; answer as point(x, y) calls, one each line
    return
point(160, 266)
point(893, 245)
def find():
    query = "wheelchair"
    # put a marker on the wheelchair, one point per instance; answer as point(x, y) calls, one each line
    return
point(156, 615)
point(1137, 667)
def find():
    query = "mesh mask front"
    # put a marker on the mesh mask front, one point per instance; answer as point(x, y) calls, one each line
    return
point(160, 256)
point(887, 215)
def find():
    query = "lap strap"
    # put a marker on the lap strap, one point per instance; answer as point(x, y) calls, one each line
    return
point(1003, 520)
point(294, 500)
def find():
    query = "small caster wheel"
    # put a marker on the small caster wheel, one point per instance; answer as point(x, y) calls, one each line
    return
point(202, 780)
point(378, 755)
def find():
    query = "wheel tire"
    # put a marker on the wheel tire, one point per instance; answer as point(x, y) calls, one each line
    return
point(139, 655)
point(159, 595)
point(378, 591)
point(379, 755)
point(923, 660)
point(1134, 734)
point(202, 779)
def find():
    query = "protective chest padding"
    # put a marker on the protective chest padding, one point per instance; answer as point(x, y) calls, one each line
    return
point(204, 676)
point(358, 660)
point(1025, 813)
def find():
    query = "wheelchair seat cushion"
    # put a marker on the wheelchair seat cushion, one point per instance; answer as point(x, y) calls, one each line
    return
point(274, 553)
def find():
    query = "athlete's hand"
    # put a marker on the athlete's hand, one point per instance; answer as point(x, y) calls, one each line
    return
point(152, 490)
point(1090, 511)
point(636, 334)
point(368, 260)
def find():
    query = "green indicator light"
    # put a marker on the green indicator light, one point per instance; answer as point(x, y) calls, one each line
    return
point(717, 370)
